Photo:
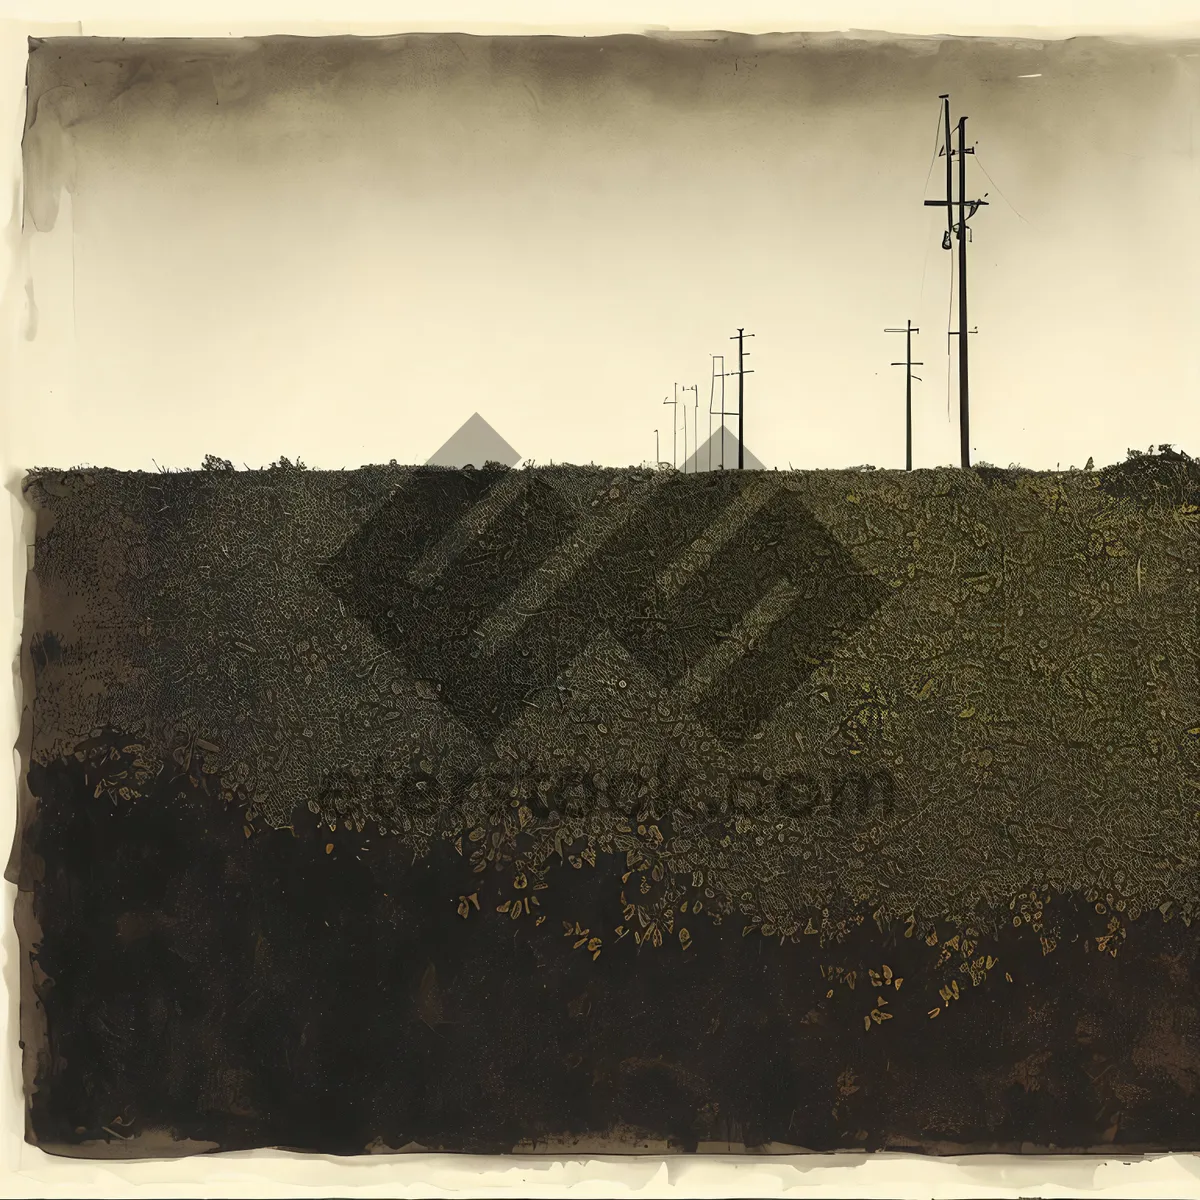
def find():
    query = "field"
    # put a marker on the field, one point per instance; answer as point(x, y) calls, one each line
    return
point(629, 712)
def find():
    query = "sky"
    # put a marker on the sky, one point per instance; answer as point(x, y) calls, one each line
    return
point(340, 249)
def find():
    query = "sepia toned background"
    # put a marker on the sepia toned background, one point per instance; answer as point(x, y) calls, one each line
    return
point(554, 232)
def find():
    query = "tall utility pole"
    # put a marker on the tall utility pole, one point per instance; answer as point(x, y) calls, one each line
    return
point(740, 337)
point(908, 363)
point(958, 231)
point(964, 406)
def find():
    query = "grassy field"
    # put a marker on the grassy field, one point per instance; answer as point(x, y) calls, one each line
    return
point(788, 697)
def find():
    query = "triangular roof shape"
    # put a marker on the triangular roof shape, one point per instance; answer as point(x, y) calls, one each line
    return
point(708, 457)
point(475, 443)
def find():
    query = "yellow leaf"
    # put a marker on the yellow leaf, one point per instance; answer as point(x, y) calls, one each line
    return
point(867, 1024)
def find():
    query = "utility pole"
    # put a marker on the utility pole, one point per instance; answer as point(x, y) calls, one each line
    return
point(696, 429)
point(695, 389)
point(958, 231)
point(674, 406)
point(908, 363)
point(964, 406)
point(741, 374)
point(722, 412)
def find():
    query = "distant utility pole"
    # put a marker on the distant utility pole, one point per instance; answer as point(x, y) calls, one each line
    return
point(696, 429)
point(908, 363)
point(959, 231)
point(741, 372)
point(695, 389)
point(674, 406)
point(718, 372)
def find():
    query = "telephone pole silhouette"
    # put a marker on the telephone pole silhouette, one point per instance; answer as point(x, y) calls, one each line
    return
point(722, 375)
point(908, 363)
point(674, 406)
point(958, 231)
point(695, 389)
point(741, 373)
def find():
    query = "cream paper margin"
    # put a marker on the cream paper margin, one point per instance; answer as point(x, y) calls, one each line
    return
point(28, 1172)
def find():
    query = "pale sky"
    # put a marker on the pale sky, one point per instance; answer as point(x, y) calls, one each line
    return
point(340, 251)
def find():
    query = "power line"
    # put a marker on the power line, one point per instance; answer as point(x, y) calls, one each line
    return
point(994, 184)
point(937, 145)
point(929, 175)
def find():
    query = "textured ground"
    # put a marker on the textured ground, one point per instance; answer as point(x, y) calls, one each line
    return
point(322, 764)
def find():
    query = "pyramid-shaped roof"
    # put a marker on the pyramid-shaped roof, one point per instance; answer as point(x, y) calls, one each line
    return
point(708, 457)
point(475, 443)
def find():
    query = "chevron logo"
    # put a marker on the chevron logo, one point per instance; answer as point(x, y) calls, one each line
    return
point(724, 586)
